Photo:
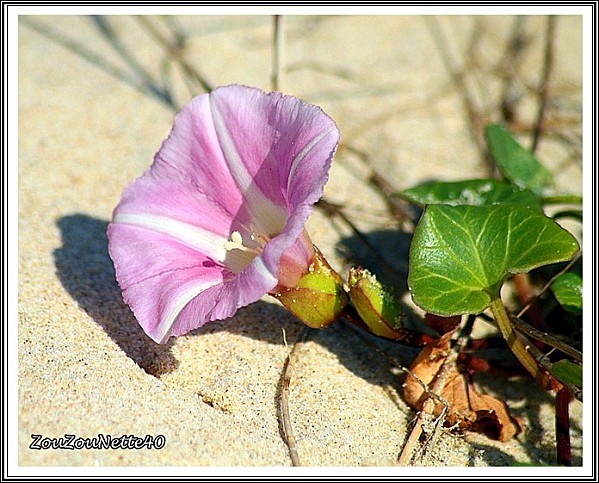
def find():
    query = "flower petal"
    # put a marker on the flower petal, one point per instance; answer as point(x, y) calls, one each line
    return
point(223, 300)
point(269, 140)
point(158, 302)
point(230, 164)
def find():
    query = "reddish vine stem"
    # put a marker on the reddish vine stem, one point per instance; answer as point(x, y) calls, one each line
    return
point(562, 427)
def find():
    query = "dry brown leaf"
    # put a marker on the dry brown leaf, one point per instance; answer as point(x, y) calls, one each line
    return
point(442, 324)
point(468, 409)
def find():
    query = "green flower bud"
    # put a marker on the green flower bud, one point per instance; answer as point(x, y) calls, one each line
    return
point(318, 299)
point(376, 307)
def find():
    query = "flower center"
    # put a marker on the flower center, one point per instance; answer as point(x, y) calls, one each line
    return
point(254, 246)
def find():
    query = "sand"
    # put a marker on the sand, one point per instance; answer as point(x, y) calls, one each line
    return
point(96, 98)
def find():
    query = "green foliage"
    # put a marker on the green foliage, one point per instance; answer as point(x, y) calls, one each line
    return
point(568, 372)
point(517, 164)
point(474, 234)
point(567, 289)
point(461, 255)
point(471, 192)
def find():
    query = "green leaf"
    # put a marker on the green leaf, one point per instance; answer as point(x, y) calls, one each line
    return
point(568, 372)
point(517, 164)
point(563, 199)
point(471, 192)
point(460, 255)
point(567, 289)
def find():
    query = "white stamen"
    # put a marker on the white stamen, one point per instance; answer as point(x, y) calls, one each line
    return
point(236, 242)
point(236, 238)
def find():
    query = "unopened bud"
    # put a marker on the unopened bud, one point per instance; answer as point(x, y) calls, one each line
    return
point(376, 307)
point(318, 299)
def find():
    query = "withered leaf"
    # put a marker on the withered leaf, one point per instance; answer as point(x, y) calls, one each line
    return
point(442, 324)
point(467, 408)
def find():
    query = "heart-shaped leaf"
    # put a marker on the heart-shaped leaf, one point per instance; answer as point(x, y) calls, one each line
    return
point(471, 192)
point(461, 255)
point(517, 164)
point(567, 289)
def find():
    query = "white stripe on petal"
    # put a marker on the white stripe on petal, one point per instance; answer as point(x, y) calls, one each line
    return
point(264, 272)
point(178, 305)
point(269, 217)
point(302, 154)
point(204, 241)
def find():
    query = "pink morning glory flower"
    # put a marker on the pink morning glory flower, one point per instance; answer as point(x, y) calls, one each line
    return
point(218, 220)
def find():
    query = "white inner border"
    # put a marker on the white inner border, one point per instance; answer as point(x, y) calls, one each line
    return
point(10, 226)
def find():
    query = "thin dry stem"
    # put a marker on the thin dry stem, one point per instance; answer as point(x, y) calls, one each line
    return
point(283, 399)
point(511, 93)
point(397, 207)
point(458, 77)
point(546, 338)
point(544, 88)
point(548, 284)
point(277, 52)
point(174, 49)
point(333, 210)
point(434, 394)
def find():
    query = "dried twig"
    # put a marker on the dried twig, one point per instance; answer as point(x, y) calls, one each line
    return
point(277, 49)
point(509, 67)
point(548, 284)
point(458, 76)
point(410, 445)
point(429, 405)
point(283, 399)
point(544, 88)
point(427, 409)
point(546, 338)
point(335, 210)
point(174, 49)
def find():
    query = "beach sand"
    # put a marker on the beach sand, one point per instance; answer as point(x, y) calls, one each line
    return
point(97, 96)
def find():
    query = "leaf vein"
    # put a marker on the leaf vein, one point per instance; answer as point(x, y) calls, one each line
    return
point(454, 256)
